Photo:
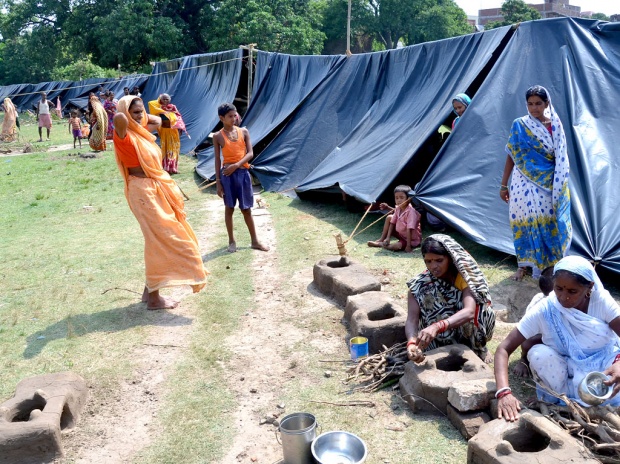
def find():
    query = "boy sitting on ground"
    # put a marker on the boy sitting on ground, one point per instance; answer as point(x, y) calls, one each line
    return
point(403, 223)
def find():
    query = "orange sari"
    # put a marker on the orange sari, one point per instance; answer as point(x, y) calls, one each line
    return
point(171, 252)
point(9, 125)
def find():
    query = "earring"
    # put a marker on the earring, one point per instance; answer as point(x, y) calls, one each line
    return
point(588, 293)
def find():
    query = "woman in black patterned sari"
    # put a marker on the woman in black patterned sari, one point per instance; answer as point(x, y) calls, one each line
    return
point(449, 302)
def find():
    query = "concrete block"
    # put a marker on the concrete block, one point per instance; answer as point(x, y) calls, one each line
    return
point(31, 422)
point(366, 301)
point(468, 423)
point(533, 438)
point(472, 395)
point(379, 319)
point(519, 297)
point(425, 386)
point(340, 277)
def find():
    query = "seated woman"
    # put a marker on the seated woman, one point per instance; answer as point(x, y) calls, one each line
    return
point(449, 302)
point(579, 323)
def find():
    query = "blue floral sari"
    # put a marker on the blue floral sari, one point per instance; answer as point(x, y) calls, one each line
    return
point(539, 192)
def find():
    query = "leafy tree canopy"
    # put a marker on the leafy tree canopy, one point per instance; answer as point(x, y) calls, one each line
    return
point(514, 11)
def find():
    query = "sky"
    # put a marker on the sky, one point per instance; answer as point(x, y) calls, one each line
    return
point(608, 7)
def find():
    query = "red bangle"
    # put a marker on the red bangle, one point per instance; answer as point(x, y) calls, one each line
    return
point(504, 393)
point(616, 359)
point(411, 342)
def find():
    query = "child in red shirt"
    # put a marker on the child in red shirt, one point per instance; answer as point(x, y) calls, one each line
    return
point(403, 223)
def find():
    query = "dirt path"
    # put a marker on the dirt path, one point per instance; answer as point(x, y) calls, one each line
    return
point(118, 423)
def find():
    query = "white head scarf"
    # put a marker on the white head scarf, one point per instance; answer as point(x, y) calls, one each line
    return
point(579, 266)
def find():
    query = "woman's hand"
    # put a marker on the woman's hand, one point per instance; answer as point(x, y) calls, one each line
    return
point(508, 407)
point(427, 335)
point(504, 195)
point(414, 353)
point(613, 371)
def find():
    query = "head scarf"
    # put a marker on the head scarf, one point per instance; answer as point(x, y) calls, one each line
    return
point(467, 266)
point(580, 266)
point(461, 98)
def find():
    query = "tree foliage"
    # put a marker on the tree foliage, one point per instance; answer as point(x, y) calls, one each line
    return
point(42, 40)
point(514, 11)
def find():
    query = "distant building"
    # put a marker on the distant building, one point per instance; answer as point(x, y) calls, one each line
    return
point(548, 9)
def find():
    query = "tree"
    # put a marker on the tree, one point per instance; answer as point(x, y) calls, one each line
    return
point(514, 11)
point(600, 16)
point(334, 13)
point(288, 26)
point(443, 20)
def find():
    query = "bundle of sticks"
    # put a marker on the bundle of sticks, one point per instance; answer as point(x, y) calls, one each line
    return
point(597, 427)
point(380, 370)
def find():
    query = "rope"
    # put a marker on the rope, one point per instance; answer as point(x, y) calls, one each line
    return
point(371, 224)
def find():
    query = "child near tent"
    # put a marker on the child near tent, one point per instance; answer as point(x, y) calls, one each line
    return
point(231, 173)
point(403, 223)
point(75, 127)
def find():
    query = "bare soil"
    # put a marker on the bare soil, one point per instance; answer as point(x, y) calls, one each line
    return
point(118, 423)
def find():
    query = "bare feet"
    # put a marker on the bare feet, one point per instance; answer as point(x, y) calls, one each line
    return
point(145, 295)
point(160, 303)
point(519, 274)
point(488, 358)
point(259, 246)
point(375, 243)
point(232, 247)
point(521, 370)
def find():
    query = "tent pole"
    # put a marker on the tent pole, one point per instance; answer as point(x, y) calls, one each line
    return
point(250, 63)
point(349, 29)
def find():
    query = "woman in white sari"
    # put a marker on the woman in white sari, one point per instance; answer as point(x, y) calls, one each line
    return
point(580, 325)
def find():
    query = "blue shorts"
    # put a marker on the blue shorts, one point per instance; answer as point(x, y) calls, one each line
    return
point(238, 186)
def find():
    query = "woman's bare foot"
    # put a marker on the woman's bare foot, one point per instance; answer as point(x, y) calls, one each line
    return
point(521, 370)
point(519, 274)
point(160, 303)
point(259, 246)
point(488, 358)
point(232, 247)
point(375, 243)
point(145, 295)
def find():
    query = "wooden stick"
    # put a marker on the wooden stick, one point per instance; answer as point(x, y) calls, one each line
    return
point(373, 223)
point(370, 404)
point(119, 288)
point(359, 222)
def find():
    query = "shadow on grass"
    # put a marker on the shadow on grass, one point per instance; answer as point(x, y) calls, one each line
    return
point(113, 320)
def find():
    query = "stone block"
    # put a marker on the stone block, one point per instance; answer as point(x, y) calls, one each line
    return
point(379, 319)
point(425, 386)
point(366, 301)
point(533, 438)
point(340, 277)
point(468, 423)
point(31, 422)
point(472, 395)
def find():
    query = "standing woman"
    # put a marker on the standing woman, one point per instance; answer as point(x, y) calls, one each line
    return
point(169, 132)
point(9, 124)
point(110, 108)
point(459, 104)
point(98, 125)
point(171, 253)
point(538, 195)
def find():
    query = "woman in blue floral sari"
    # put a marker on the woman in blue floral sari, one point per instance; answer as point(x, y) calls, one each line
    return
point(538, 194)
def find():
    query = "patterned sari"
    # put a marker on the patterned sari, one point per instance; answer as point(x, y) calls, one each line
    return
point(9, 125)
point(110, 109)
point(439, 300)
point(98, 125)
point(539, 193)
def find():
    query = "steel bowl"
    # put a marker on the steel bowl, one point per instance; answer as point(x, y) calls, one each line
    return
point(339, 448)
point(593, 391)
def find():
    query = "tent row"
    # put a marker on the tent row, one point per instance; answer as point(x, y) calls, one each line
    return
point(364, 123)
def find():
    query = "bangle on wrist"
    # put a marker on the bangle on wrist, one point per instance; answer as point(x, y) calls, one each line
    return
point(503, 392)
point(503, 188)
point(411, 342)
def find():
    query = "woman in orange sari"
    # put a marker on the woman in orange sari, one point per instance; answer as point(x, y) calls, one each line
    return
point(98, 124)
point(169, 132)
point(9, 124)
point(171, 252)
